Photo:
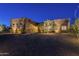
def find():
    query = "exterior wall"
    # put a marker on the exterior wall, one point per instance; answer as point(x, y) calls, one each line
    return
point(31, 28)
point(14, 25)
point(17, 25)
point(34, 28)
point(56, 25)
point(48, 26)
point(41, 29)
point(61, 25)
point(23, 25)
point(1, 28)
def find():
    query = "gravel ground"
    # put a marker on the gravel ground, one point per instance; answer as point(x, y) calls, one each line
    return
point(38, 45)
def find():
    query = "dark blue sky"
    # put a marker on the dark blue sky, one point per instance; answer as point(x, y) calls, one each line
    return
point(38, 12)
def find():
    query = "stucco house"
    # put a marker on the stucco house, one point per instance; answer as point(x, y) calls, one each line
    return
point(23, 25)
point(56, 25)
point(61, 25)
point(26, 25)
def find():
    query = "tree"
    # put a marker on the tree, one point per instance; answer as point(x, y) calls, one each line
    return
point(3, 28)
point(75, 28)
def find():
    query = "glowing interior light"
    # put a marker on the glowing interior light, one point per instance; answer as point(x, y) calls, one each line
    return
point(64, 28)
point(1, 29)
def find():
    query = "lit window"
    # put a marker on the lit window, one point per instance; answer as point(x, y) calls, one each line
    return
point(1, 29)
point(64, 27)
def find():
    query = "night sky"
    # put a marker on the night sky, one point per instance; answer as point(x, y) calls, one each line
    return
point(37, 12)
